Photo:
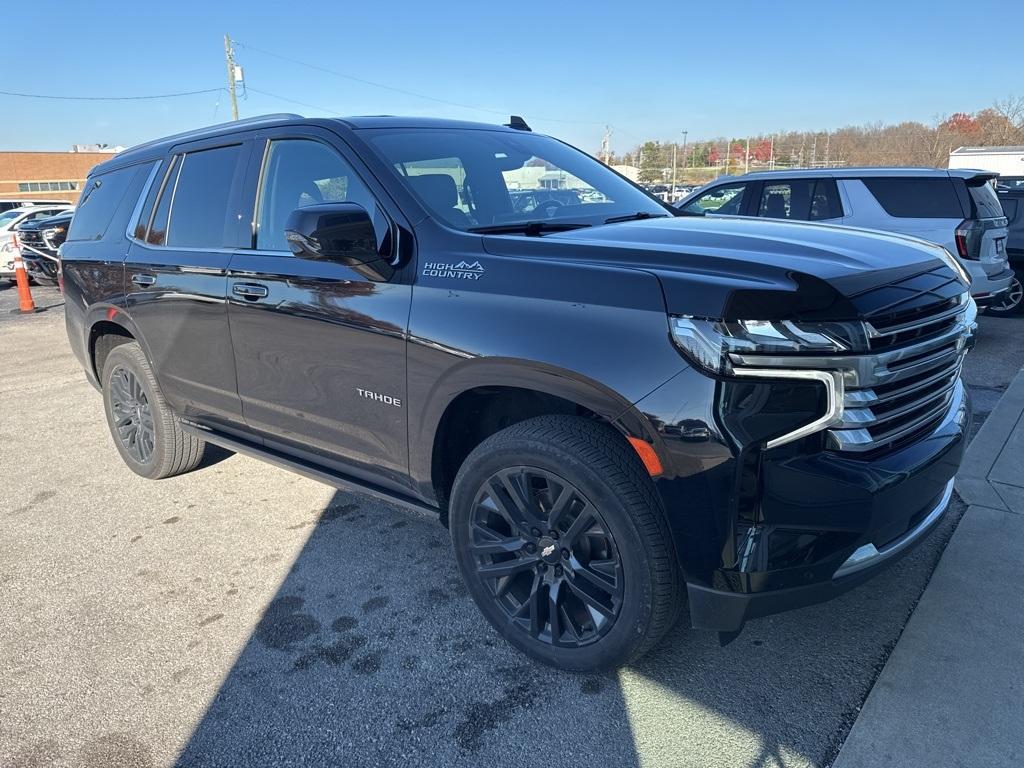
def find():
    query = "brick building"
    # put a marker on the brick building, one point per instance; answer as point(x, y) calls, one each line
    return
point(46, 175)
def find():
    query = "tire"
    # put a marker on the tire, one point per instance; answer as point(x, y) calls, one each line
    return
point(150, 439)
point(610, 525)
point(1013, 304)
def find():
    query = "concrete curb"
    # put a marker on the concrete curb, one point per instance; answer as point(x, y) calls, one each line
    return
point(950, 692)
point(992, 472)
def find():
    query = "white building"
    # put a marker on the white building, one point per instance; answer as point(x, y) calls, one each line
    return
point(1006, 161)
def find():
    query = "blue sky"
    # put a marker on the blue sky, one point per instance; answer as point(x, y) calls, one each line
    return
point(649, 70)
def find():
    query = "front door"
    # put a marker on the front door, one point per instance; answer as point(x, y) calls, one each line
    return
point(319, 346)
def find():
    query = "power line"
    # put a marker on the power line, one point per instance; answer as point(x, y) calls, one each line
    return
point(108, 98)
point(403, 91)
point(293, 101)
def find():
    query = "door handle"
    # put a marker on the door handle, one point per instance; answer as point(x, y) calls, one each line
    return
point(143, 280)
point(251, 291)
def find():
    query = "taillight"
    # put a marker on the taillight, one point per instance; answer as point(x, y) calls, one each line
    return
point(968, 239)
point(961, 243)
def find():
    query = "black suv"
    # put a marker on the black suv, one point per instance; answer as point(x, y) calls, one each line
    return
point(39, 240)
point(607, 403)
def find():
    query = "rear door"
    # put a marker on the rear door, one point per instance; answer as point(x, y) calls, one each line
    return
point(176, 272)
point(319, 346)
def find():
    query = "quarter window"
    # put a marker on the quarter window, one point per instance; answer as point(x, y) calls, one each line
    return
point(916, 198)
point(99, 202)
point(726, 199)
point(301, 172)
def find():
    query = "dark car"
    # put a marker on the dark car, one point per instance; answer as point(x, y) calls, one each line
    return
point(1012, 200)
point(608, 406)
point(39, 240)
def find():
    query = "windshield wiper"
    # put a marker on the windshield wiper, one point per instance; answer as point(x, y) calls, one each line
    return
point(639, 215)
point(529, 228)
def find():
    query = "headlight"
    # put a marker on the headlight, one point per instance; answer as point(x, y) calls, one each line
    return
point(52, 232)
point(710, 342)
point(953, 263)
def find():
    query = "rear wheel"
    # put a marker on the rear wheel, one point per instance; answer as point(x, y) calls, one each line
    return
point(563, 543)
point(145, 431)
point(1013, 301)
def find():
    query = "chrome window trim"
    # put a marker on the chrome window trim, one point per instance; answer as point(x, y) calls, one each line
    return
point(834, 389)
point(133, 222)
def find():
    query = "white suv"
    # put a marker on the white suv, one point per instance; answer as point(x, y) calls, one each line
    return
point(957, 209)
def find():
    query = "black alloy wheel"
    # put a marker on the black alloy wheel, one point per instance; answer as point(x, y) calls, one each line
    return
point(132, 414)
point(563, 543)
point(547, 556)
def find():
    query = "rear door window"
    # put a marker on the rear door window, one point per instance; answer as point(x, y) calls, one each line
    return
point(916, 197)
point(825, 201)
point(786, 199)
point(99, 202)
point(199, 208)
point(726, 199)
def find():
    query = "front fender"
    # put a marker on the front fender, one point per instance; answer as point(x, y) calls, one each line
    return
point(529, 375)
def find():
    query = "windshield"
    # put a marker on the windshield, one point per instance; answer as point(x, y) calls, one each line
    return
point(476, 178)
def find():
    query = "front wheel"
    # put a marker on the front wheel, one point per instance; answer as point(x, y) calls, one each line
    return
point(1013, 300)
point(563, 543)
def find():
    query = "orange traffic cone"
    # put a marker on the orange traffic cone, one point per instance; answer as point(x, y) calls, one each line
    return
point(25, 302)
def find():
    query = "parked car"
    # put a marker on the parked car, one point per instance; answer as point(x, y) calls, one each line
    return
point(9, 221)
point(606, 406)
point(7, 203)
point(957, 209)
point(39, 240)
point(1012, 201)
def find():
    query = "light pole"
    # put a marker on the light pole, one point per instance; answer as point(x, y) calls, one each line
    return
point(684, 148)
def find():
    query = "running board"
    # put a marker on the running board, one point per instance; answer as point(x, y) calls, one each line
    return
point(335, 479)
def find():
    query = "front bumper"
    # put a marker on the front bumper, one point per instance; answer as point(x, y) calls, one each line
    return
point(852, 518)
point(729, 611)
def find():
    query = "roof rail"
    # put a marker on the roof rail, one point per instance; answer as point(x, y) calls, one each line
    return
point(247, 122)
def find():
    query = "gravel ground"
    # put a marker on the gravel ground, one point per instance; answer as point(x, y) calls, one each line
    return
point(242, 615)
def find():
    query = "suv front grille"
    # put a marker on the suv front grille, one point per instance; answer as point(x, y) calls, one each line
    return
point(912, 381)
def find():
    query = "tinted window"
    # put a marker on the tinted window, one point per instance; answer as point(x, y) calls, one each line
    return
point(727, 198)
point(98, 203)
point(917, 198)
point(786, 200)
point(198, 216)
point(301, 172)
point(1010, 208)
point(984, 201)
point(825, 202)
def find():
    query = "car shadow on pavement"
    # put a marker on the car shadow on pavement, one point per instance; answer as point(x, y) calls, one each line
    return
point(371, 653)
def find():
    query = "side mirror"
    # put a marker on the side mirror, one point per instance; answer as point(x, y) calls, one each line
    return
point(341, 232)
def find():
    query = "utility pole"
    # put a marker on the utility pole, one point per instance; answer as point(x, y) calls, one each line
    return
point(684, 148)
point(771, 153)
point(229, 57)
point(746, 158)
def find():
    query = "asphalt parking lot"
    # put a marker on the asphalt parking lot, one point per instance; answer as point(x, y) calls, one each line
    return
point(242, 615)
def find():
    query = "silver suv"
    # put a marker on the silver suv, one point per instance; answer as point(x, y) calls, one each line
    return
point(957, 209)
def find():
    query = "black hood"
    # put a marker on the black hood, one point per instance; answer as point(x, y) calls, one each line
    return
point(741, 268)
point(50, 221)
